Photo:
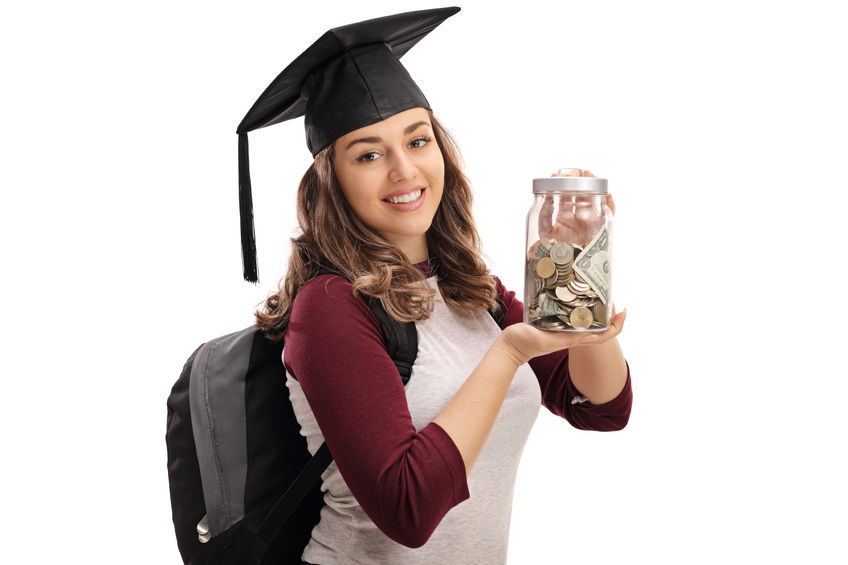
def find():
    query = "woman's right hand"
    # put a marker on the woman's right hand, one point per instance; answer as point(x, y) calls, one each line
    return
point(523, 342)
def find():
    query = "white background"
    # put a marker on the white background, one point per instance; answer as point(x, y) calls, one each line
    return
point(721, 127)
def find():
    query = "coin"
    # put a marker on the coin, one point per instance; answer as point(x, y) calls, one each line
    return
point(581, 318)
point(546, 267)
point(600, 312)
point(561, 253)
point(564, 294)
point(578, 287)
point(550, 323)
point(564, 279)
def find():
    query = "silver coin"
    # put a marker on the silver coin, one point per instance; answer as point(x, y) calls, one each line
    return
point(550, 323)
point(579, 287)
point(562, 293)
point(561, 253)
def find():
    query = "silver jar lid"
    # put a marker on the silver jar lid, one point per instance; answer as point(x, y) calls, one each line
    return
point(570, 184)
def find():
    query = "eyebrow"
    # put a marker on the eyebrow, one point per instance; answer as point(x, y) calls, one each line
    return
point(407, 131)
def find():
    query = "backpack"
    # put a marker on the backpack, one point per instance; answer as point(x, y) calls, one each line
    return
point(238, 467)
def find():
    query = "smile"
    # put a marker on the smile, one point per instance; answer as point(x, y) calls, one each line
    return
point(410, 197)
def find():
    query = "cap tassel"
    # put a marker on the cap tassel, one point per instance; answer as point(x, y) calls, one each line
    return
point(248, 239)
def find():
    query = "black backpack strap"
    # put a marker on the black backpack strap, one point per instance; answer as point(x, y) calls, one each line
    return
point(498, 314)
point(293, 496)
point(401, 339)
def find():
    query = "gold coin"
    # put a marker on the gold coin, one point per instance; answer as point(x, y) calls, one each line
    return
point(581, 318)
point(600, 312)
point(545, 267)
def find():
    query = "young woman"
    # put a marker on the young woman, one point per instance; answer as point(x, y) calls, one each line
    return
point(422, 473)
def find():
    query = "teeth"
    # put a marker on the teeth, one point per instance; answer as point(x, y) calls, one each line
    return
point(411, 197)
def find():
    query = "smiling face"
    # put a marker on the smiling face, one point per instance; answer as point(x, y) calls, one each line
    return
point(392, 175)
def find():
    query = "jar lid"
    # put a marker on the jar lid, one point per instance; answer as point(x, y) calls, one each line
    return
point(570, 184)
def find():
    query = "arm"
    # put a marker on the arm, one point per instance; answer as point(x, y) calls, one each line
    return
point(598, 371)
point(405, 480)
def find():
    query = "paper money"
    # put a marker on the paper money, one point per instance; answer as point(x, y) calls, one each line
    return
point(593, 264)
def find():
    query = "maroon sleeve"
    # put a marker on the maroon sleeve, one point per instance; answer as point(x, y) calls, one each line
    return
point(405, 480)
point(559, 395)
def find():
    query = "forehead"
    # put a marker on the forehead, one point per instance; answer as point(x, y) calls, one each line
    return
point(391, 126)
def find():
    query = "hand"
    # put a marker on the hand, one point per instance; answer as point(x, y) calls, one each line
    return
point(576, 222)
point(523, 342)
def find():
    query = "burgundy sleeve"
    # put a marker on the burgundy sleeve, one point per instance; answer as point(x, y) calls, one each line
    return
point(405, 480)
point(559, 395)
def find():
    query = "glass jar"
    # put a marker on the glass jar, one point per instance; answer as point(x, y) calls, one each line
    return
point(569, 254)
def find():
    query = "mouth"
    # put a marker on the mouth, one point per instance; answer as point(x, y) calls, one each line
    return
point(406, 197)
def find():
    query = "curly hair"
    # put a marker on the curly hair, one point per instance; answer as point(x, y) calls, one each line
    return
point(334, 239)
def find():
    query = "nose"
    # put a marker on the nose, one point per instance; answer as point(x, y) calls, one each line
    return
point(401, 167)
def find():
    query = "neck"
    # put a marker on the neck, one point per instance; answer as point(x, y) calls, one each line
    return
point(415, 247)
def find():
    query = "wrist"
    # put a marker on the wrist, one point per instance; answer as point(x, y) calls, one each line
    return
point(507, 352)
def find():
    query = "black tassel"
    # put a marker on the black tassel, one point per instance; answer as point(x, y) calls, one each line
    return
point(248, 238)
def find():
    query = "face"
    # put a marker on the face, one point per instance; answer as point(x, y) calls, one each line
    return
point(392, 174)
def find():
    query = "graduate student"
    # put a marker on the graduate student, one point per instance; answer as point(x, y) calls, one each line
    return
point(422, 473)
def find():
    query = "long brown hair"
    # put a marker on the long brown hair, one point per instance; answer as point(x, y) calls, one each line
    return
point(334, 239)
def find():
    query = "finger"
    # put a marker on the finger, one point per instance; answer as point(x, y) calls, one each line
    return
point(616, 325)
point(619, 320)
point(583, 338)
point(568, 173)
point(611, 203)
point(556, 341)
point(588, 174)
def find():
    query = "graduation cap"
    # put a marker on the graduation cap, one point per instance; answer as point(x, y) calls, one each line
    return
point(350, 78)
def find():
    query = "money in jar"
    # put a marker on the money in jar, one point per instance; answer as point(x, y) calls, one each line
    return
point(568, 260)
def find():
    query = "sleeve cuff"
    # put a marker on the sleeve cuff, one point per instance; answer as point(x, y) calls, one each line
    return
point(452, 458)
point(609, 416)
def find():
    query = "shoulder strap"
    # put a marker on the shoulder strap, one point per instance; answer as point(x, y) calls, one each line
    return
point(294, 495)
point(401, 339)
point(498, 313)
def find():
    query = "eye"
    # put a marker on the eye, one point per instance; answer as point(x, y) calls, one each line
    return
point(419, 142)
point(368, 157)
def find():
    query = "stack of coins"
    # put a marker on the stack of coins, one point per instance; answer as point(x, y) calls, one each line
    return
point(562, 299)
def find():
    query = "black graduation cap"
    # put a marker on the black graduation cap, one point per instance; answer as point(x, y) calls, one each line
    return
point(350, 78)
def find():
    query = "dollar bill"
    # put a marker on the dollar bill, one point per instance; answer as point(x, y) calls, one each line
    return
point(549, 307)
point(593, 264)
